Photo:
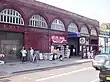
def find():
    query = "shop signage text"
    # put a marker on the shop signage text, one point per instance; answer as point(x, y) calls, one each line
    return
point(58, 39)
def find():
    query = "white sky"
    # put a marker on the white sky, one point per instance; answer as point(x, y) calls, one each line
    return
point(95, 9)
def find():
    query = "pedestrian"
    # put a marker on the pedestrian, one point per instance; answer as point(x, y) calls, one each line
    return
point(23, 52)
point(57, 54)
point(41, 57)
point(31, 54)
point(35, 56)
point(84, 53)
point(74, 51)
point(54, 53)
point(92, 52)
point(61, 55)
point(67, 52)
point(88, 54)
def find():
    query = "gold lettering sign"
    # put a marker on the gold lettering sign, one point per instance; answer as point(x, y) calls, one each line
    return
point(105, 27)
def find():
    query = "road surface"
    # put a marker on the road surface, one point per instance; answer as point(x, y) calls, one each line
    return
point(76, 73)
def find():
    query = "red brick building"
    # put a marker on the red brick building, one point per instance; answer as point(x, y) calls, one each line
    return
point(30, 23)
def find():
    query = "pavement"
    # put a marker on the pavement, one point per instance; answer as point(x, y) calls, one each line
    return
point(10, 69)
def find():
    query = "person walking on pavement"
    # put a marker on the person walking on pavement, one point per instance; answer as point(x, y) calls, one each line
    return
point(88, 54)
point(61, 55)
point(91, 55)
point(84, 53)
point(31, 54)
point(23, 52)
point(54, 53)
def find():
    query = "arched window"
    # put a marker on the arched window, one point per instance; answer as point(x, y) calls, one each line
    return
point(38, 21)
point(93, 32)
point(84, 30)
point(73, 28)
point(57, 25)
point(11, 16)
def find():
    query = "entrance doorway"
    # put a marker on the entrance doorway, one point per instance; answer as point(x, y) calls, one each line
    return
point(10, 45)
point(73, 43)
point(9, 48)
point(72, 53)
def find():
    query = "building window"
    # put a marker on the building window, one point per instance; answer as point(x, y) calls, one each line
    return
point(58, 25)
point(11, 16)
point(72, 28)
point(38, 21)
point(84, 30)
point(93, 32)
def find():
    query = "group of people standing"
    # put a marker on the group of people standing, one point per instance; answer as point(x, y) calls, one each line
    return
point(24, 53)
point(89, 54)
point(60, 52)
point(57, 53)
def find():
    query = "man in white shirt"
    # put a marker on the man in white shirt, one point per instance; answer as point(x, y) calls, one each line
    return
point(88, 54)
point(32, 54)
point(23, 52)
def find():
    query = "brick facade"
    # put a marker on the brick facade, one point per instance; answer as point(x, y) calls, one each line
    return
point(39, 38)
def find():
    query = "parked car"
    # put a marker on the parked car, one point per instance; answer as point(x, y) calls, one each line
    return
point(104, 74)
point(99, 60)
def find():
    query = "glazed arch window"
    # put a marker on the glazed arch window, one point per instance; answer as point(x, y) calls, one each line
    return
point(84, 30)
point(57, 25)
point(38, 21)
point(73, 28)
point(11, 16)
point(93, 32)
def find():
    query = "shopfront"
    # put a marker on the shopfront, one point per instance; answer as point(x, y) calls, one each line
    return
point(58, 42)
point(58, 35)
